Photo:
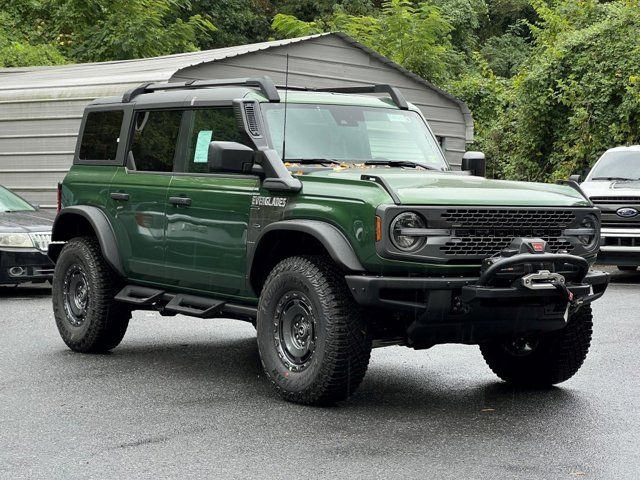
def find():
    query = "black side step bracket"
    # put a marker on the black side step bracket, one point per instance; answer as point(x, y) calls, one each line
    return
point(140, 296)
point(145, 298)
point(195, 306)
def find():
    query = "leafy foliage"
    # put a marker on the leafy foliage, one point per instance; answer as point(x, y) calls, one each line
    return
point(578, 93)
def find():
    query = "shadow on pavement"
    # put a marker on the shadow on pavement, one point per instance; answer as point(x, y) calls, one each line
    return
point(26, 290)
point(227, 370)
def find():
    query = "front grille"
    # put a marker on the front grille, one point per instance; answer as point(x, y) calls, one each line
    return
point(41, 240)
point(511, 218)
point(485, 232)
point(615, 200)
point(487, 246)
point(621, 242)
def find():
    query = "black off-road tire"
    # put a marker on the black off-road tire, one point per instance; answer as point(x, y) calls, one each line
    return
point(339, 361)
point(555, 356)
point(105, 321)
point(627, 268)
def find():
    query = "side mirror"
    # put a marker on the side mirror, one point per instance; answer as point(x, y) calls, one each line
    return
point(230, 157)
point(35, 205)
point(475, 162)
point(575, 178)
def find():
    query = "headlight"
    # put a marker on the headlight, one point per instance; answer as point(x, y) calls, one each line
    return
point(402, 224)
point(590, 226)
point(15, 240)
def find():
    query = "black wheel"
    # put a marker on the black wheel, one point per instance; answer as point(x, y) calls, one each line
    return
point(313, 342)
point(545, 359)
point(88, 318)
point(627, 268)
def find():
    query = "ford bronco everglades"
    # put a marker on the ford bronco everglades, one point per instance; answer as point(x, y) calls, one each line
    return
point(327, 217)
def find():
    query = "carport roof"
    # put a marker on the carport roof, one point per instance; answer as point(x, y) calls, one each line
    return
point(159, 69)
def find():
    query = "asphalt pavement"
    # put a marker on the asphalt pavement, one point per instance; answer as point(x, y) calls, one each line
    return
point(186, 398)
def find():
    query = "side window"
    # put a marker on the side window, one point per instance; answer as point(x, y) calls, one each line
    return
point(208, 125)
point(154, 139)
point(101, 135)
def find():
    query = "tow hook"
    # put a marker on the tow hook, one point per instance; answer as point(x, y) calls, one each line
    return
point(545, 280)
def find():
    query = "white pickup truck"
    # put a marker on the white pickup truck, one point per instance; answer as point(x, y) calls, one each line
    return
point(613, 185)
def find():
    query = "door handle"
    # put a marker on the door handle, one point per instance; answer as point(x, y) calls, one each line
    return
point(180, 201)
point(119, 196)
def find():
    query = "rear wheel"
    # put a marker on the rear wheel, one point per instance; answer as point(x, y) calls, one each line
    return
point(545, 359)
point(627, 268)
point(87, 316)
point(314, 345)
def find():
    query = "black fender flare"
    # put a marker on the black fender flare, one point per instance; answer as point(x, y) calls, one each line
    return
point(62, 231)
point(328, 235)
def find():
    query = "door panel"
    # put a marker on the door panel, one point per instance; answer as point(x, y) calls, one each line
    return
point(207, 234)
point(138, 194)
point(140, 222)
point(206, 241)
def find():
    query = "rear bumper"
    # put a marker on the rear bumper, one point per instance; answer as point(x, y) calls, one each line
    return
point(470, 310)
point(28, 265)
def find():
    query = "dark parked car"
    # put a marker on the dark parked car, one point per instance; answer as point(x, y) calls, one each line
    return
point(25, 233)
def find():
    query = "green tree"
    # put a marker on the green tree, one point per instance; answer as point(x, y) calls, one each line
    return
point(577, 95)
point(22, 37)
point(99, 30)
point(415, 36)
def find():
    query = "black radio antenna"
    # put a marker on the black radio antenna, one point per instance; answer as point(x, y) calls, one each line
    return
point(284, 127)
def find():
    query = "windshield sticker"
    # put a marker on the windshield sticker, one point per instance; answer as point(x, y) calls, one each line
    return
point(202, 146)
point(268, 201)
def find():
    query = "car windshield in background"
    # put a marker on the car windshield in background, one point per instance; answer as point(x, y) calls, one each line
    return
point(618, 166)
point(351, 134)
point(10, 202)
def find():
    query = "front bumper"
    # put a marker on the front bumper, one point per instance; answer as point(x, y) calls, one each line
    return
point(24, 265)
point(474, 309)
point(620, 246)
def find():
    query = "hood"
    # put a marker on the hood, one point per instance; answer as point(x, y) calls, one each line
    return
point(614, 188)
point(38, 221)
point(415, 187)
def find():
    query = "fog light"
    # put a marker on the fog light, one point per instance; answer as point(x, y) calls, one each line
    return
point(17, 271)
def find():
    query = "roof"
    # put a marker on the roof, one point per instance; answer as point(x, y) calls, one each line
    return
point(163, 68)
point(156, 69)
point(629, 148)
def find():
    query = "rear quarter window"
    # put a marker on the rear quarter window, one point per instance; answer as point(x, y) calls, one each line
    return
point(101, 135)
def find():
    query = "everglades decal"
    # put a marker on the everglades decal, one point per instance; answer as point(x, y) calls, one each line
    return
point(257, 201)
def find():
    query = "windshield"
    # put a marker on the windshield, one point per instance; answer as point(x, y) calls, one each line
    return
point(10, 202)
point(352, 134)
point(617, 166)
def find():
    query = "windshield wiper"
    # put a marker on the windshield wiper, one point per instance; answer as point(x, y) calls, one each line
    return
point(314, 161)
point(622, 179)
point(402, 163)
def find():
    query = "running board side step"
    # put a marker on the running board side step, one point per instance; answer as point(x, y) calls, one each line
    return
point(192, 305)
point(140, 296)
point(195, 306)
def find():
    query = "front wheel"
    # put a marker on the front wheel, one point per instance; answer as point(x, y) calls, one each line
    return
point(545, 359)
point(87, 316)
point(313, 343)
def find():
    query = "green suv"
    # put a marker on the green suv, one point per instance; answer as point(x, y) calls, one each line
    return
point(328, 218)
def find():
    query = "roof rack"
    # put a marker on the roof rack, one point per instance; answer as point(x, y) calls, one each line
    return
point(267, 87)
point(395, 94)
point(265, 84)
